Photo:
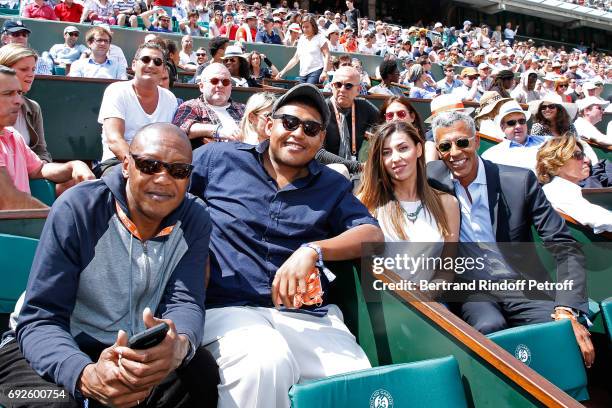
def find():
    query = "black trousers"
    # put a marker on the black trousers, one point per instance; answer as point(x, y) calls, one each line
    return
point(488, 317)
point(194, 385)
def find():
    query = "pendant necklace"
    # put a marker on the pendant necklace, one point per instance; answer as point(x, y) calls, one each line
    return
point(412, 216)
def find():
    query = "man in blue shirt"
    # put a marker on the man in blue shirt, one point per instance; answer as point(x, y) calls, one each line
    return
point(277, 215)
point(267, 34)
point(69, 51)
point(518, 148)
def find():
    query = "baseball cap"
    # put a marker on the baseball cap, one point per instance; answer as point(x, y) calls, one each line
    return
point(13, 26)
point(483, 66)
point(438, 25)
point(295, 27)
point(71, 29)
point(467, 22)
point(250, 14)
point(301, 92)
point(589, 101)
point(469, 71)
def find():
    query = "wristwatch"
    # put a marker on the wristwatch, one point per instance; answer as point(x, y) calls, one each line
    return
point(317, 249)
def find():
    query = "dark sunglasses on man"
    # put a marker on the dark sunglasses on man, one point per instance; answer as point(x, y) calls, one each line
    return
point(177, 171)
point(73, 34)
point(347, 85)
point(446, 145)
point(291, 123)
point(224, 81)
point(145, 59)
point(513, 122)
point(21, 33)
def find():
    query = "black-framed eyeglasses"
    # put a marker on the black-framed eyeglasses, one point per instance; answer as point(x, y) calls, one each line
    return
point(73, 34)
point(513, 122)
point(101, 41)
point(347, 85)
point(177, 171)
point(446, 145)
point(578, 155)
point(291, 123)
point(145, 59)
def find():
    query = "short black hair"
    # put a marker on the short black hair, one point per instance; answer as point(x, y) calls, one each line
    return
point(387, 68)
point(216, 44)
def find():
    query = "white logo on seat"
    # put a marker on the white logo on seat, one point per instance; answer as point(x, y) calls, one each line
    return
point(381, 399)
point(522, 353)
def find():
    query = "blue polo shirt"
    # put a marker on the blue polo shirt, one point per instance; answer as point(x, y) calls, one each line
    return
point(256, 226)
point(263, 37)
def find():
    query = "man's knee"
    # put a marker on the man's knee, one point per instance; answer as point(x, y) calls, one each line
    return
point(491, 324)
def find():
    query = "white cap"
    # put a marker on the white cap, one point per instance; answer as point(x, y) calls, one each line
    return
point(295, 27)
point(483, 66)
point(508, 108)
point(589, 101)
point(438, 25)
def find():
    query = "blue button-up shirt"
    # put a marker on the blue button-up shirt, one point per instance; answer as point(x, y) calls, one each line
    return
point(256, 225)
point(66, 54)
point(511, 153)
point(88, 68)
point(263, 37)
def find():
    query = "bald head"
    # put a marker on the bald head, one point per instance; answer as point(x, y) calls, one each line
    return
point(348, 72)
point(214, 69)
point(156, 137)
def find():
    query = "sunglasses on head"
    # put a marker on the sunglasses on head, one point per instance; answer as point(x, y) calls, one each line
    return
point(548, 107)
point(177, 171)
point(513, 122)
point(291, 123)
point(446, 145)
point(347, 85)
point(145, 59)
point(401, 115)
point(578, 155)
point(224, 81)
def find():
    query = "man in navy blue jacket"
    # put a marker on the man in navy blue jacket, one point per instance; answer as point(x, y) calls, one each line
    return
point(117, 256)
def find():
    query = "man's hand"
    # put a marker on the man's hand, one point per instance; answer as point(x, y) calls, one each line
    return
point(583, 337)
point(102, 380)
point(229, 135)
point(323, 77)
point(279, 76)
point(147, 368)
point(81, 172)
point(291, 276)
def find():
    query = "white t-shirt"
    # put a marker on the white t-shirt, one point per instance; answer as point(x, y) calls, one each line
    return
point(309, 51)
point(120, 101)
point(228, 124)
point(188, 59)
point(589, 131)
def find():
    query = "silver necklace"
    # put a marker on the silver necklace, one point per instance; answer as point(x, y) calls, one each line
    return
point(412, 216)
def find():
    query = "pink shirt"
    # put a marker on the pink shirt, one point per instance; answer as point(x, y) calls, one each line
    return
point(18, 159)
point(45, 11)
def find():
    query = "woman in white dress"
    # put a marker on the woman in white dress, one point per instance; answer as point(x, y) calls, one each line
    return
point(395, 190)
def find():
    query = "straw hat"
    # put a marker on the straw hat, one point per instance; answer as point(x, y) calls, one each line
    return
point(444, 103)
point(488, 102)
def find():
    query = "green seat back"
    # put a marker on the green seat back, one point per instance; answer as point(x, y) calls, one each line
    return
point(606, 311)
point(551, 350)
point(16, 255)
point(429, 383)
point(44, 190)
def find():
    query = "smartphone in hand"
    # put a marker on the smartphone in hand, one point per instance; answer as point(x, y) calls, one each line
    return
point(149, 338)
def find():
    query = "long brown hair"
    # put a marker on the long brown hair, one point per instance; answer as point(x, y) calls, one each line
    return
point(418, 123)
point(562, 119)
point(377, 191)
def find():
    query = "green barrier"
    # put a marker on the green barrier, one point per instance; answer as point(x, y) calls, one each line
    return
point(16, 255)
point(560, 361)
point(26, 223)
point(606, 309)
point(44, 190)
point(599, 196)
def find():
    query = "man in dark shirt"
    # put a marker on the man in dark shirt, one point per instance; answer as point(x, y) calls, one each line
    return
point(267, 34)
point(350, 117)
point(352, 15)
point(277, 216)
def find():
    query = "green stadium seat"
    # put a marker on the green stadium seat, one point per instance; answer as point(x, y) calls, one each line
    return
point(16, 255)
point(44, 190)
point(606, 312)
point(431, 383)
point(551, 350)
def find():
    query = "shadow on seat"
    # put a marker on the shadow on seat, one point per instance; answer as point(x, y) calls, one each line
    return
point(16, 255)
point(431, 383)
point(551, 350)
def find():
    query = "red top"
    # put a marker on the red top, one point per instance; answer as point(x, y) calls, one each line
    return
point(44, 12)
point(232, 33)
point(72, 13)
point(164, 3)
point(240, 31)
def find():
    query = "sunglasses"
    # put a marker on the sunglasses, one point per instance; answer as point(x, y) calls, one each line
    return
point(177, 171)
point(513, 122)
point(291, 123)
point(20, 34)
point(445, 146)
point(578, 155)
point(401, 115)
point(200, 54)
point(563, 86)
point(548, 107)
point(73, 34)
point(157, 61)
point(472, 77)
point(224, 81)
point(347, 85)
point(231, 60)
